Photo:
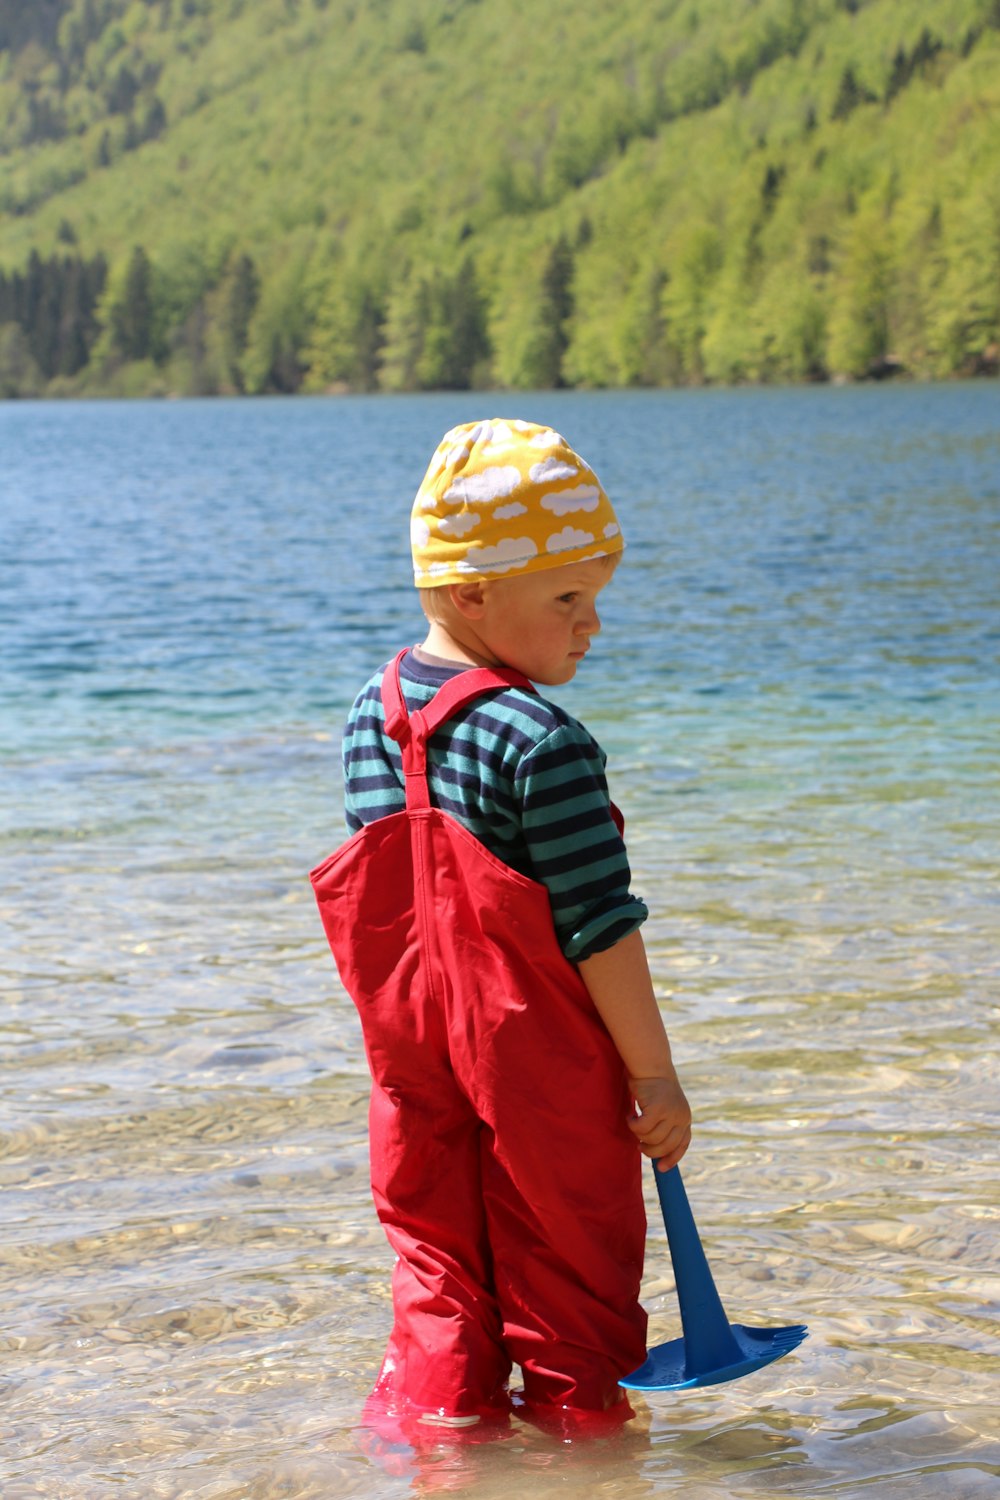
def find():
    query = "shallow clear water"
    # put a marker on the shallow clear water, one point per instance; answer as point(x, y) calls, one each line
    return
point(798, 687)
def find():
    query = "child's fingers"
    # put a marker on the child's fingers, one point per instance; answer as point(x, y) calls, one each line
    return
point(664, 1142)
point(654, 1130)
point(672, 1157)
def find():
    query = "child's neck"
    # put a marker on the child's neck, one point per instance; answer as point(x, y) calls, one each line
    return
point(441, 643)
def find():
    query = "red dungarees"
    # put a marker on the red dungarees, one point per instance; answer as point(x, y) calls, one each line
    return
point(502, 1166)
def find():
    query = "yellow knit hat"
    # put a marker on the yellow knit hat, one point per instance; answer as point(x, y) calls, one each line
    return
point(503, 497)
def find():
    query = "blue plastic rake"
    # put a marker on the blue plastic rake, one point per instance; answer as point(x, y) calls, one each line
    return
point(712, 1349)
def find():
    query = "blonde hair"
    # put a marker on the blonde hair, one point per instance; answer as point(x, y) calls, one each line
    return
point(436, 604)
point(435, 601)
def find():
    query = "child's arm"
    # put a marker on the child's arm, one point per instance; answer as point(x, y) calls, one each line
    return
point(621, 989)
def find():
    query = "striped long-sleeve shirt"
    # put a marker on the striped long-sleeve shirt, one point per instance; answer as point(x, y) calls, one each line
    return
point(525, 778)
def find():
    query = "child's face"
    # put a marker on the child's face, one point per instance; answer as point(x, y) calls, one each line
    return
point(542, 623)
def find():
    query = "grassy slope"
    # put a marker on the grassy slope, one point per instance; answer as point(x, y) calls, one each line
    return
point(389, 139)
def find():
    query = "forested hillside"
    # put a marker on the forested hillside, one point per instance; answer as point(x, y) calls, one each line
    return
point(205, 196)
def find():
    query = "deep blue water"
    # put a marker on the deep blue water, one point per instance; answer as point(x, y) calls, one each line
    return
point(171, 569)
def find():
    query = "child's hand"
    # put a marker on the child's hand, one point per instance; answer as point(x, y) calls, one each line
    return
point(663, 1127)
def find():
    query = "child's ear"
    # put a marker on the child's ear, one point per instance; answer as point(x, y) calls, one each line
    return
point(469, 598)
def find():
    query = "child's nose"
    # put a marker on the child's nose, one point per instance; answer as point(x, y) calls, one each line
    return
point(590, 623)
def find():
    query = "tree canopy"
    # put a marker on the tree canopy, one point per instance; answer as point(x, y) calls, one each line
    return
point(276, 195)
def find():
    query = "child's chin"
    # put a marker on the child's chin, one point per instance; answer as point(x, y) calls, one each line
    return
point(559, 675)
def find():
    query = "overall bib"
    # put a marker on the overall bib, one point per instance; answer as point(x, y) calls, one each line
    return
point(503, 1170)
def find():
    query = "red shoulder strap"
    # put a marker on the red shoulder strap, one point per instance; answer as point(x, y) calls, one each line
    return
point(393, 702)
point(460, 690)
point(449, 698)
point(412, 731)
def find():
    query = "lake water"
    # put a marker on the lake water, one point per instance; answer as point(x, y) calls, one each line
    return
point(799, 688)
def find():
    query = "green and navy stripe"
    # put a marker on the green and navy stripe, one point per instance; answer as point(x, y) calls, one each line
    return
point(525, 778)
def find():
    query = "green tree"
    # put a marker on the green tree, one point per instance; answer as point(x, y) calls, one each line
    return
point(404, 333)
point(648, 355)
point(529, 330)
point(791, 318)
point(348, 334)
point(434, 336)
point(964, 318)
point(275, 360)
point(850, 94)
point(19, 372)
point(552, 332)
point(132, 316)
point(241, 293)
point(861, 316)
point(694, 265)
point(469, 344)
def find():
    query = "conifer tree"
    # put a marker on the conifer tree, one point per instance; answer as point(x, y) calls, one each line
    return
point(241, 296)
point(555, 313)
point(133, 315)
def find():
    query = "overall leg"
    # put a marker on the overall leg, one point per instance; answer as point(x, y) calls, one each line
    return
point(562, 1187)
point(446, 1350)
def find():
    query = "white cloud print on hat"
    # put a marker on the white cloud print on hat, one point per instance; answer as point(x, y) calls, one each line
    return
point(489, 504)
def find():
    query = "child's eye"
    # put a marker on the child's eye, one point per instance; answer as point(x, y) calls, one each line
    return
point(567, 598)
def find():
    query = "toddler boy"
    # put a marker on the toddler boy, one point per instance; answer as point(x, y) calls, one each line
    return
point(482, 921)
